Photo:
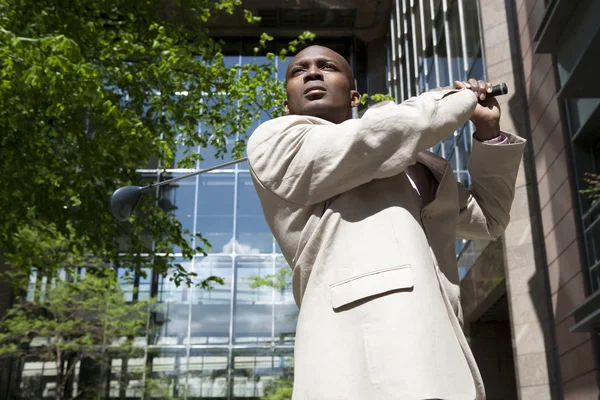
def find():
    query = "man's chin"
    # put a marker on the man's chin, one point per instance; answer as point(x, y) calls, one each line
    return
point(322, 109)
point(318, 109)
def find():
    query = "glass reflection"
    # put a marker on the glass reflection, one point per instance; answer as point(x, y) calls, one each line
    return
point(253, 234)
point(207, 374)
point(254, 373)
point(253, 312)
point(126, 282)
point(211, 308)
point(214, 212)
point(167, 374)
point(285, 309)
point(443, 72)
point(126, 375)
point(179, 198)
point(169, 323)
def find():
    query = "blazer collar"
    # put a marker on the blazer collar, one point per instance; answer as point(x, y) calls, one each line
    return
point(441, 170)
point(438, 166)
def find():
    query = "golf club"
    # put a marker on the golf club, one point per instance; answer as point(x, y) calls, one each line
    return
point(125, 199)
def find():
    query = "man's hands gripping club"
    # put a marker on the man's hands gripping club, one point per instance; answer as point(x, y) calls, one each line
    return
point(486, 116)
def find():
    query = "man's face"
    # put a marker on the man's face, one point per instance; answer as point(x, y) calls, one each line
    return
point(318, 85)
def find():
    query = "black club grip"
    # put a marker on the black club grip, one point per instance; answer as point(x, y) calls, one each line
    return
point(498, 90)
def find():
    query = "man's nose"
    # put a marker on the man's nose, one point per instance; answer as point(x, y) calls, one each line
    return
point(313, 73)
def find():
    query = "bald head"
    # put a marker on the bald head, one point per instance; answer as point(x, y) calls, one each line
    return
point(347, 69)
point(320, 83)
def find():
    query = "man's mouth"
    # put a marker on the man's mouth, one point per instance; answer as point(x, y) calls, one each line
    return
point(314, 89)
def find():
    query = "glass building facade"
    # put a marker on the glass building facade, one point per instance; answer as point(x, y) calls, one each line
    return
point(231, 341)
point(433, 43)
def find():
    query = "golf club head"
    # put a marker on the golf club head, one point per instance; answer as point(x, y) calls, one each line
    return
point(124, 201)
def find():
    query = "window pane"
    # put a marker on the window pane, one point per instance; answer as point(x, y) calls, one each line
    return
point(432, 78)
point(253, 306)
point(471, 29)
point(444, 74)
point(427, 20)
point(254, 372)
point(179, 198)
point(451, 154)
point(127, 377)
point(418, 38)
point(169, 324)
point(207, 374)
point(126, 280)
point(286, 311)
point(253, 234)
point(214, 214)
point(145, 280)
point(463, 149)
point(211, 308)
point(167, 373)
point(476, 70)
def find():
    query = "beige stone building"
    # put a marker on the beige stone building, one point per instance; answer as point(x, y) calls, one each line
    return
point(535, 290)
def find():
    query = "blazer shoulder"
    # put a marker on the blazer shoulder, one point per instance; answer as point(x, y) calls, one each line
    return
point(273, 128)
point(269, 129)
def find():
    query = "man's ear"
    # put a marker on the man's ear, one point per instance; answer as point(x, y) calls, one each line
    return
point(354, 98)
point(286, 108)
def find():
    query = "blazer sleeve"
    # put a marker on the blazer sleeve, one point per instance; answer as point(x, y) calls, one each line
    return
point(485, 208)
point(306, 160)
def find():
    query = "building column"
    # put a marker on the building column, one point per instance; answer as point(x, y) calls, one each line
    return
point(525, 271)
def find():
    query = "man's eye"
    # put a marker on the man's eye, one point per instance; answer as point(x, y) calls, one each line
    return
point(295, 71)
point(328, 66)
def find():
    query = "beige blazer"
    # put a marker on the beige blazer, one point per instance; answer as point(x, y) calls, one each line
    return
point(374, 272)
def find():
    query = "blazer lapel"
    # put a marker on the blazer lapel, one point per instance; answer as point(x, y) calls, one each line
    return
point(442, 172)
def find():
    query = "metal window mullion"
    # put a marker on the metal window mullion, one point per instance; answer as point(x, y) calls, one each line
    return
point(424, 42)
point(415, 49)
point(233, 260)
point(463, 36)
point(406, 10)
point(389, 68)
point(191, 292)
point(401, 52)
point(434, 43)
point(273, 303)
point(393, 57)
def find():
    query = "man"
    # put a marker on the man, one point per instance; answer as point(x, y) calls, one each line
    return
point(367, 219)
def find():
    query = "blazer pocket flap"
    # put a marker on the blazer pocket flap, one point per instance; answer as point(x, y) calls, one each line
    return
point(370, 284)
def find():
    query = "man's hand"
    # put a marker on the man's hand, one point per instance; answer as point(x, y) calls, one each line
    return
point(486, 116)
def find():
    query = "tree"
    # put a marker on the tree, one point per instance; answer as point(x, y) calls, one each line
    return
point(279, 389)
point(84, 317)
point(92, 90)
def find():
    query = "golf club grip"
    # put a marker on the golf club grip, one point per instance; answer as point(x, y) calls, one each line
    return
point(499, 90)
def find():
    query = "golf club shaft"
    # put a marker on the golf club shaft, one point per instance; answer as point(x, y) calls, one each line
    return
point(153, 185)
